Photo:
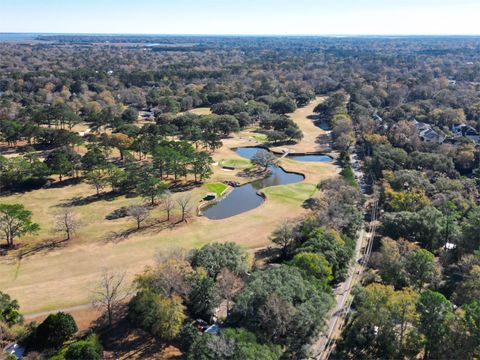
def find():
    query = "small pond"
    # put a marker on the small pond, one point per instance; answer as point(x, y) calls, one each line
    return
point(246, 197)
point(248, 152)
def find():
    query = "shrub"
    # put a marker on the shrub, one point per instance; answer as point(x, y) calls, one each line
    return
point(88, 349)
point(55, 330)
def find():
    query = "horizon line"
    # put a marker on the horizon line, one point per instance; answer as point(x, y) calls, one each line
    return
point(226, 34)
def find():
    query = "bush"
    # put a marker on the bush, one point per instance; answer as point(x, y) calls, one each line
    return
point(118, 213)
point(88, 349)
point(55, 330)
point(188, 336)
point(348, 175)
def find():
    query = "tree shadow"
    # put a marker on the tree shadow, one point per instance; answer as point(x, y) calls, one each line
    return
point(253, 173)
point(61, 184)
point(184, 186)
point(45, 246)
point(266, 255)
point(125, 341)
point(86, 200)
point(147, 229)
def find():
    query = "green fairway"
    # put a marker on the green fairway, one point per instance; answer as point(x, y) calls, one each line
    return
point(216, 188)
point(236, 163)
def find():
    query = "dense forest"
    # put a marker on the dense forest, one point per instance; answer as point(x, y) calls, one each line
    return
point(115, 112)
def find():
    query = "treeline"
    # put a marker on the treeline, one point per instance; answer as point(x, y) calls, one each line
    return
point(418, 296)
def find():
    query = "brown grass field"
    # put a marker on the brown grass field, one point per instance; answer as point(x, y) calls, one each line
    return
point(64, 276)
point(312, 134)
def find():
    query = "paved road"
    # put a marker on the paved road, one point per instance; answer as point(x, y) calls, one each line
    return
point(342, 292)
point(45, 313)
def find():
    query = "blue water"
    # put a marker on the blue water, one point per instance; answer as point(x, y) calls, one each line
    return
point(310, 158)
point(245, 197)
point(17, 36)
point(248, 152)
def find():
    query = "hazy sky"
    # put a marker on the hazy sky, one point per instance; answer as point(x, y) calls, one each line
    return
point(313, 17)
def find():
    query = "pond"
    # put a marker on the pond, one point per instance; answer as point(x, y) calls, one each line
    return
point(248, 152)
point(246, 197)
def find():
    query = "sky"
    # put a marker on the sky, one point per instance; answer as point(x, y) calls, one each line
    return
point(250, 17)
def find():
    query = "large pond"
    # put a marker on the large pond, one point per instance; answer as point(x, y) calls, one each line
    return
point(246, 197)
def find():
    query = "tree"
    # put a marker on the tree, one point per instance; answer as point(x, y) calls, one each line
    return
point(62, 161)
point(236, 344)
point(168, 204)
point(284, 236)
point(139, 213)
point(390, 262)
point(94, 158)
point(97, 178)
point(215, 257)
point(283, 106)
point(55, 330)
point(151, 188)
point(382, 325)
point(469, 289)
point(294, 319)
point(88, 349)
point(184, 204)
point(450, 222)
point(263, 158)
point(122, 142)
point(228, 285)
point(67, 223)
point(403, 315)
point(9, 310)
point(314, 267)
point(172, 275)
point(332, 246)
point(421, 268)
point(130, 115)
point(435, 315)
point(201, 166)
point(111, 291)
point(16, 221)
point(162, 317)
point(203, 297)
point(471, 321)
point(470, 239)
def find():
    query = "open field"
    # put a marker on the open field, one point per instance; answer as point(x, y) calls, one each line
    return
point(313, 136)
point(63, 276)
point(201, 111)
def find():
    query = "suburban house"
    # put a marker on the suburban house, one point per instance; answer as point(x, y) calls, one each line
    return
point(466, 131)
point(426, 132)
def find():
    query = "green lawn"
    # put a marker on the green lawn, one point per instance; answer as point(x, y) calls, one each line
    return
point(217, 188)
point(236, 163)
point(293, 194)
point(260, 137)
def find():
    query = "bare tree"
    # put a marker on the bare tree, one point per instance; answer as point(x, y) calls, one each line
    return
point(172, 273)
point(139, 213)
point(184, 203)
point(67, 223)
point(168, 204)
point(263, 158)
point(284, 236)
point(111, 291)
point(228, 285)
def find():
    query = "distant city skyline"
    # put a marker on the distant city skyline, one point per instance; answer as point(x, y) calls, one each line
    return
point(243, 17)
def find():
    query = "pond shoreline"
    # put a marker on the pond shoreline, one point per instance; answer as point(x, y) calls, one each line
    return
point(243, 200)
